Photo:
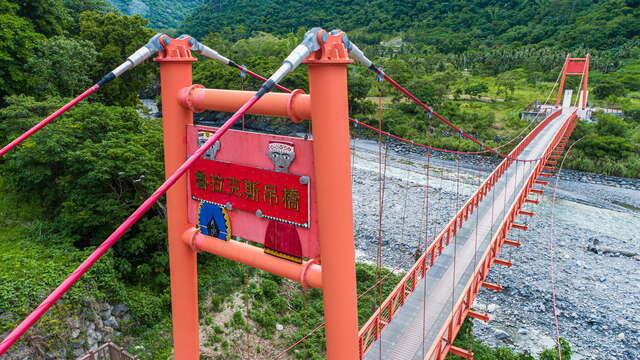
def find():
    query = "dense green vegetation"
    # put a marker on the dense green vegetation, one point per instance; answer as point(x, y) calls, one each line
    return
point(479, 63)
point(465, 340)
point(451, 26)
point(166, 15)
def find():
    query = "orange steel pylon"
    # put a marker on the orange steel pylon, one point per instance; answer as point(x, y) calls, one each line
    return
point(175, 74)
point(335, 273)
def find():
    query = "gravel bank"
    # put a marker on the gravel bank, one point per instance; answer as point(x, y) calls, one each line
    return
point(598, 295)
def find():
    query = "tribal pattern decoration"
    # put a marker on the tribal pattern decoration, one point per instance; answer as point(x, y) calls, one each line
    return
point(282, 239)
point(213, 220)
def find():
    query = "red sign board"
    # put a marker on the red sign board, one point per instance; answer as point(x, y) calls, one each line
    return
point(256, 187)
point(576, 67)
point(267, 193)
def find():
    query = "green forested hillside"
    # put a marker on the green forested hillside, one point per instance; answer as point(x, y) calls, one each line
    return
point(478, 62)
point(63, 190)
point(451, 26)
point(162, 14)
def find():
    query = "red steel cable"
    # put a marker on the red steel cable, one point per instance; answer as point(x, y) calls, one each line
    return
point(259, 77)
point(46, 121)
point(413, 142)
point(430, 110)
point(283, 352)
point(120, 231)
point(449, 123)
point(455, 238)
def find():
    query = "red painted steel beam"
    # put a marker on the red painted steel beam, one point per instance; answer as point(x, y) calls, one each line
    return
point(295, 105)
point(537, 191)
point(480, 316)
point(461, 352)
point(523, 212)
point(541, 182)
point(532, 201)
point(308, 273)
point(520, 227)
point(506, 263)
point(492, 286)
point(512, 243)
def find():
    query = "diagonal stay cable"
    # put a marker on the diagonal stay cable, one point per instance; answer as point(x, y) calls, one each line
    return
point(308, 45)
point(155, 44)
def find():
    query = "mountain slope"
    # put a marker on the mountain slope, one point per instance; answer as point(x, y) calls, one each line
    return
point(451, 25)
point(162, 14)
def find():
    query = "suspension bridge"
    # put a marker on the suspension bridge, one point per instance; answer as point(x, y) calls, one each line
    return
point(290, 200)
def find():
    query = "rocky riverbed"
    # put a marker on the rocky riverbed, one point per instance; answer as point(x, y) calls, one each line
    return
point(597, 292)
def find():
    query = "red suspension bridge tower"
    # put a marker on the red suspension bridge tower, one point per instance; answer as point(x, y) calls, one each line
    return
point(284, 204)
point(333, 269)
point(575, 67)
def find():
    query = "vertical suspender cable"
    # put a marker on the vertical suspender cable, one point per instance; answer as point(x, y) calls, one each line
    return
point(426, 239)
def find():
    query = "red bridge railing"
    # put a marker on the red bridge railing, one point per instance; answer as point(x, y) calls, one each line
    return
point(372, 329)
point(108, 351)
point(453, 323)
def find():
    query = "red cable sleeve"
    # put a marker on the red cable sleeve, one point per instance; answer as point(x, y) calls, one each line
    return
point(46, 121)
point(119, 232)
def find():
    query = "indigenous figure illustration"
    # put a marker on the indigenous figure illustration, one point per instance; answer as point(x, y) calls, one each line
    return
point(282, 239)
point(213, 220)
point(282, 154)
point(210, 154)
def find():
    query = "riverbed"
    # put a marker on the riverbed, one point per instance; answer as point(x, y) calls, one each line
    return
point(597, 295)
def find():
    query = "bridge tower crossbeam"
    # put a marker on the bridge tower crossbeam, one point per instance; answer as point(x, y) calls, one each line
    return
point(575, 67)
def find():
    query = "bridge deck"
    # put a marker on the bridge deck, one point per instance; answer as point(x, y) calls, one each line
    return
point(403, 337)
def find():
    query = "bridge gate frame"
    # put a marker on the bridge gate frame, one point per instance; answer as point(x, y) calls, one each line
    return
point(334, 273)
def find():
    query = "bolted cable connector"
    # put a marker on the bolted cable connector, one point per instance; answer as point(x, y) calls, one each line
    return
point(205, 50)
point(153, 46)
point(379, 74)
point(243, 71)
point(355, 51)
point(308, 45)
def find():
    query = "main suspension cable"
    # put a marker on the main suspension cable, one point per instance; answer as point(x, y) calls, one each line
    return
point(359, 55)
point(379, 130)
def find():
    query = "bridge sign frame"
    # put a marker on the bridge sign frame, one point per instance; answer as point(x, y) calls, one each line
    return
point(333, 269)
